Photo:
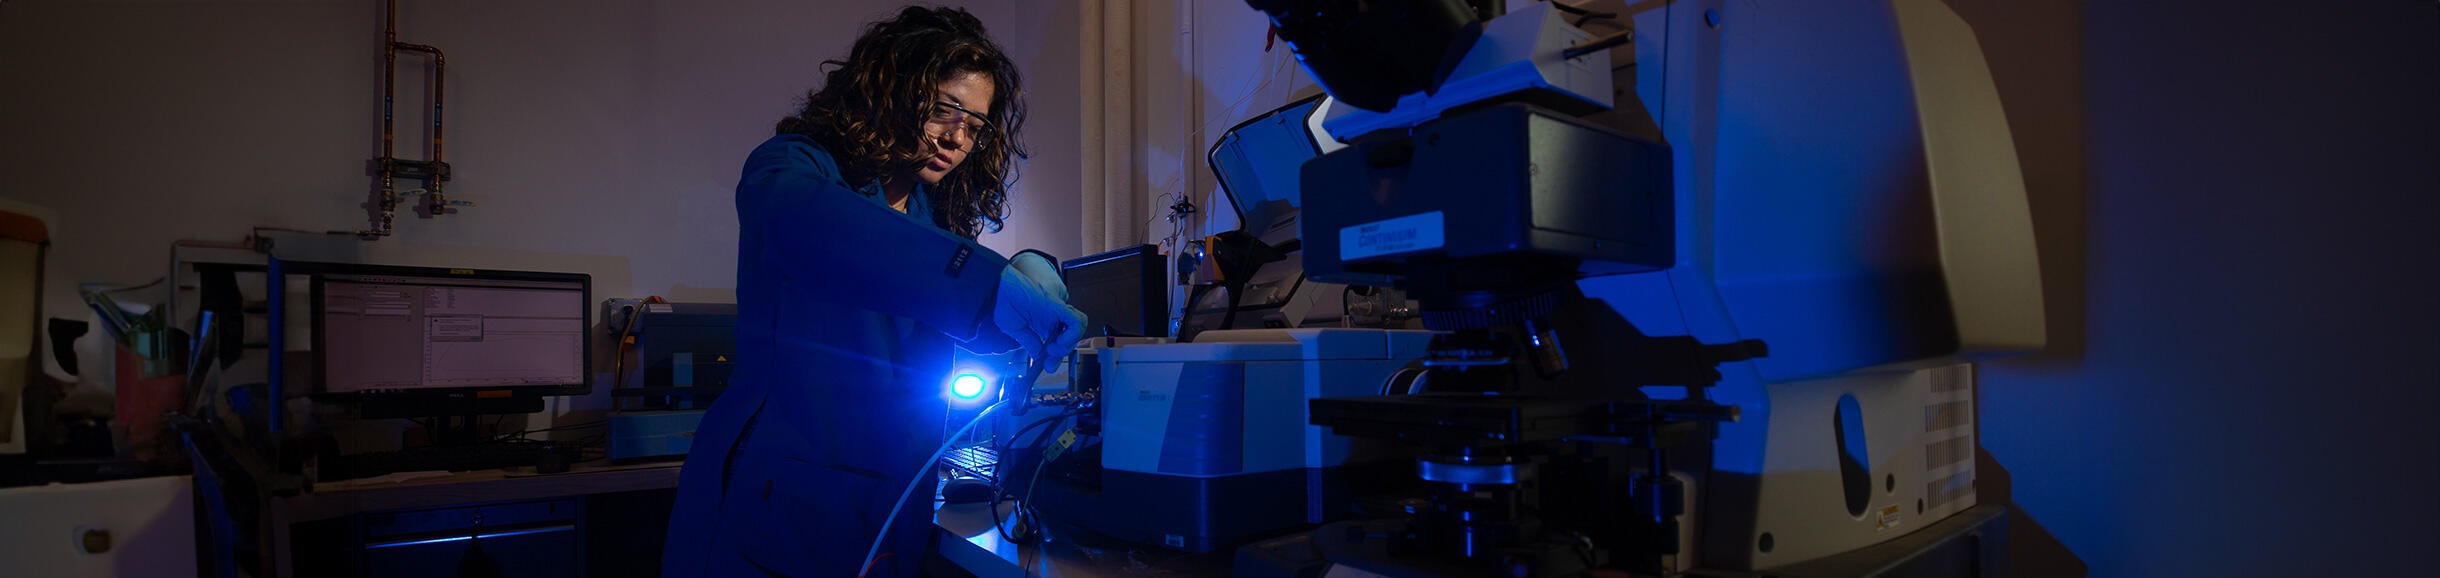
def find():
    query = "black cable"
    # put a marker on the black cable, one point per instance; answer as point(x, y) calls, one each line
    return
point(1020, 433)
point(1027, 566)
point(1019, 513)
point(1002, 450)
point(626, 331)
point(1025, 508)
point(522, 434)
point(1029, 519)
point(1000, 480)
point(996, 523)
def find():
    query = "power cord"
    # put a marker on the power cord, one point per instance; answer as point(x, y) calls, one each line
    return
point(999, 488)
point(626, 339)
point(927, 472)
point(1029, 520)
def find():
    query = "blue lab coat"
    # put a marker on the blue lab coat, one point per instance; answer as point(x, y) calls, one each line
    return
point(847, 314)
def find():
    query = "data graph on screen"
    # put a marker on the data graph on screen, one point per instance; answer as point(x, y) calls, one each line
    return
point(403, 332)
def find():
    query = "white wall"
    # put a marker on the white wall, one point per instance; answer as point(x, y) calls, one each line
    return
point(1044, 209)
point(610, 129)
point(1204, 69)
point(2250, 387)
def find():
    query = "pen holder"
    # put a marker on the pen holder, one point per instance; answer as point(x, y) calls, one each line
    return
point(150, 386)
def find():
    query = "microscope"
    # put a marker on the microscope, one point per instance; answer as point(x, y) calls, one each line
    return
point(1703, 410)
point(1475, 187)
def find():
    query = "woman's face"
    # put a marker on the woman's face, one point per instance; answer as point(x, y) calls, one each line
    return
point(956, 123)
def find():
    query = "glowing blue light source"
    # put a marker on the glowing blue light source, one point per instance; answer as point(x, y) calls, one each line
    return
point(966, 386)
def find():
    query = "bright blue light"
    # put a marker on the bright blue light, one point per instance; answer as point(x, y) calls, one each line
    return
point(966, 386)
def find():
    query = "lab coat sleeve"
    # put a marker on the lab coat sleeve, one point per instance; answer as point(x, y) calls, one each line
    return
point(831, 243)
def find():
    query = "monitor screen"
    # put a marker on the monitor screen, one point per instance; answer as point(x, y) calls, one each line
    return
point(450, 329)
point(1120, 292)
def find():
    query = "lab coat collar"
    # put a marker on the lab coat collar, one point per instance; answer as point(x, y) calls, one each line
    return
point(919, 203)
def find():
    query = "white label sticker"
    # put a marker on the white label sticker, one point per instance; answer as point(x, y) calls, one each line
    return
point(660, 308)
point(1400, 235)
point(1889, 519)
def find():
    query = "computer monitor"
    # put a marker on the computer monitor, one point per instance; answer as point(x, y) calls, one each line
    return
point(398, 330)
point(1120, 292)
point(425, 342)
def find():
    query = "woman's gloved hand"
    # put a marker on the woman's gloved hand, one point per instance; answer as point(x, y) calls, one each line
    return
point(1042, 270)
point(1032, 308)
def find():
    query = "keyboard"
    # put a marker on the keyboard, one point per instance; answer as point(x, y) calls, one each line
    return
point(455, 459)
point(977, 461)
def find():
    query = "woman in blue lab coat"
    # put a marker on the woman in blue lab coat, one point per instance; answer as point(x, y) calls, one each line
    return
point(857, 273)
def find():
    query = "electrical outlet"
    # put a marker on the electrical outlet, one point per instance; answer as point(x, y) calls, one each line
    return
point(616, 311)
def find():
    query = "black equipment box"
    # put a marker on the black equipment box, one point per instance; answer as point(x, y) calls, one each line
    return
point(686, 344)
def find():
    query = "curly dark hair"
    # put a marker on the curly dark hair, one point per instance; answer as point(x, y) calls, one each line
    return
point(871, 108)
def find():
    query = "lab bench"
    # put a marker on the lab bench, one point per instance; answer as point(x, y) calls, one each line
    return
point(596, 519)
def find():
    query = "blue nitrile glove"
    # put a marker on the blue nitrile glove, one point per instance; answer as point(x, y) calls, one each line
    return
point(1036, 315)
point(1043, 270)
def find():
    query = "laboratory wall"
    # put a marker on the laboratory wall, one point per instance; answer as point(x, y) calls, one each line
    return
point(587, 132)
point(1212, 65)
point(2243, 366)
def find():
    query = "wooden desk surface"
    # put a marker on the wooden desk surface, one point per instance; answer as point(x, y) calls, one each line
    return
point(336, 499)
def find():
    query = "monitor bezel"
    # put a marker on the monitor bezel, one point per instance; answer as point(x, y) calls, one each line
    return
point(319, 273)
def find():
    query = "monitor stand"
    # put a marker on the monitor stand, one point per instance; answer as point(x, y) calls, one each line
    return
point(457, 425)
point(458, 444)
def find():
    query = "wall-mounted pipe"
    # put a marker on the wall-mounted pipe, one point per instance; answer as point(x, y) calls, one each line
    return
point(434, 171)
point(389, 84)
point(440, 75)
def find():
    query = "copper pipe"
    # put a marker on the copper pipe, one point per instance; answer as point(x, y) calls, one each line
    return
point(440, 75)
point(389, 80)
point(389, 131)
point(440, 72)
point(389, 91)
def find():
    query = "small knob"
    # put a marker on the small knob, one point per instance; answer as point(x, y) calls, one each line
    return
point(94, 540)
